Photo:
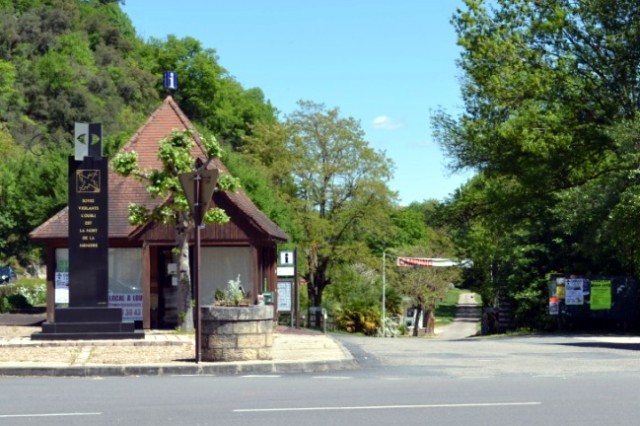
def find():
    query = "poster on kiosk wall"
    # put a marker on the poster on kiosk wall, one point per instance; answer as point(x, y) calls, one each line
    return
point(574, 291)
point(284, 296)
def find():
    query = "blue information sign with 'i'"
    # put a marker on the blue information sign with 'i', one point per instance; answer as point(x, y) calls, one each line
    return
point(170, 80)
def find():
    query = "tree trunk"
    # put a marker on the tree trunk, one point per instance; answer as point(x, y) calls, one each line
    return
point(312, 287)
point(315, 296)
point(416, 324)
point(315, 299)
point(185, 303)
point(430, 322)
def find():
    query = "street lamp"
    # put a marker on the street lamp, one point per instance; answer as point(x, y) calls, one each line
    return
point(384, 291)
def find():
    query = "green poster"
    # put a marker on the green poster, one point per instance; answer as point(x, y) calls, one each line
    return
point(600, 295)
point(62, 265)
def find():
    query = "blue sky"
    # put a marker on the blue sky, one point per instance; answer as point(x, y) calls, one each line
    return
point(388, 64)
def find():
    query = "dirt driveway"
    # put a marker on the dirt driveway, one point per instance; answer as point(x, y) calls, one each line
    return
point(466, 322)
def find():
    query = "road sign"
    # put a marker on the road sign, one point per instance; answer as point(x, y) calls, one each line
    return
point(87, 140)
point(286, 258)
point(209, 181)
point(198, 187)
point(170, 80)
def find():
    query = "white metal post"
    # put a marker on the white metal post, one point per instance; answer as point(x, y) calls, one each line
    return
point(384, 290)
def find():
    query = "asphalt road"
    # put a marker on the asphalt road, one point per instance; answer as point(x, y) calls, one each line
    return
point(22, 319)
point(363, 397)
point(448, 380)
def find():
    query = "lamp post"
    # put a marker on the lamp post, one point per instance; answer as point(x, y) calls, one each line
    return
point(384, 291)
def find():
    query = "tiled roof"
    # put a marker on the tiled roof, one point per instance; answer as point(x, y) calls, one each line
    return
point(123, 191)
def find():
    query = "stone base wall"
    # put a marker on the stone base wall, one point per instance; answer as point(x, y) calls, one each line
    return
point(243, 333)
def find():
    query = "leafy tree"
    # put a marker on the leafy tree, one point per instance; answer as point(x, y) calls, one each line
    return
point(175, 153)
point(264, 193)
point(72, 61)
point(420, 234)
point(208, 93)
point(354, 300)
point(66, 61)
point(551, 97)
point(538, 83)
point(32, 188)
point(340, 191)
point(266, 146)
point(7, 82)
point(410, 227)
point(426, 287)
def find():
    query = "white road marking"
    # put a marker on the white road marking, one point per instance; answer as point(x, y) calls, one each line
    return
point(389, 407)
point(193, 375)
point(260, 376)
point(332, 377)
point(11, 416)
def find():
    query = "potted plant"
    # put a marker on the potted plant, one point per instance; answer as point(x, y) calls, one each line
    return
point(233, 295)
point(235, 330)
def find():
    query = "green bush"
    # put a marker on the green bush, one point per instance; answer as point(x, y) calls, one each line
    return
point(36, 294)
point(353, 300)
point(18, 302)
point(5, 306)
point(24, 294)
point(358, 319)
point(403, 329)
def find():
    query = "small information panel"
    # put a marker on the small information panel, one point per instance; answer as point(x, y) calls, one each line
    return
point(574, 291)
point(284, 296)
point(286, 258)
point(600, 295)
point(286, 266)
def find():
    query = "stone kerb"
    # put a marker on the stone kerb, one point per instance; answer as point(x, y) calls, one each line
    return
point(236, 333)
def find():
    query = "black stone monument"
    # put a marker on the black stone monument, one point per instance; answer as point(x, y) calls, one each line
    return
point(88, 315)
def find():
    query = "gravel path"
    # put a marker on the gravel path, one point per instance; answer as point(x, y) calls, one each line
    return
point(466, 321)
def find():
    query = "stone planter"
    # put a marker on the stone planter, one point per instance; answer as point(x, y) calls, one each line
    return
point(236, 333)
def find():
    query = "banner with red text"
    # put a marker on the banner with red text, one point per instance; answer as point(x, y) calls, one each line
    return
point(433, 262)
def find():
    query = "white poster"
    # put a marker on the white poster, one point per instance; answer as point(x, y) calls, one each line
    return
point(62, 287)
point(574, 293)
point(284, 296)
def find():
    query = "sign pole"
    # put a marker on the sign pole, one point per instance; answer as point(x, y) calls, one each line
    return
point(287, 291)
point(196, 262)
point(296, 289)
point(198, 187)
point(384, 291)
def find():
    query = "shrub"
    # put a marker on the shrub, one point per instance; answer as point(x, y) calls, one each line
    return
point(358, 319)
point(5, 306)
point(354, 299)
point(18, 302)
point(24, 294)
